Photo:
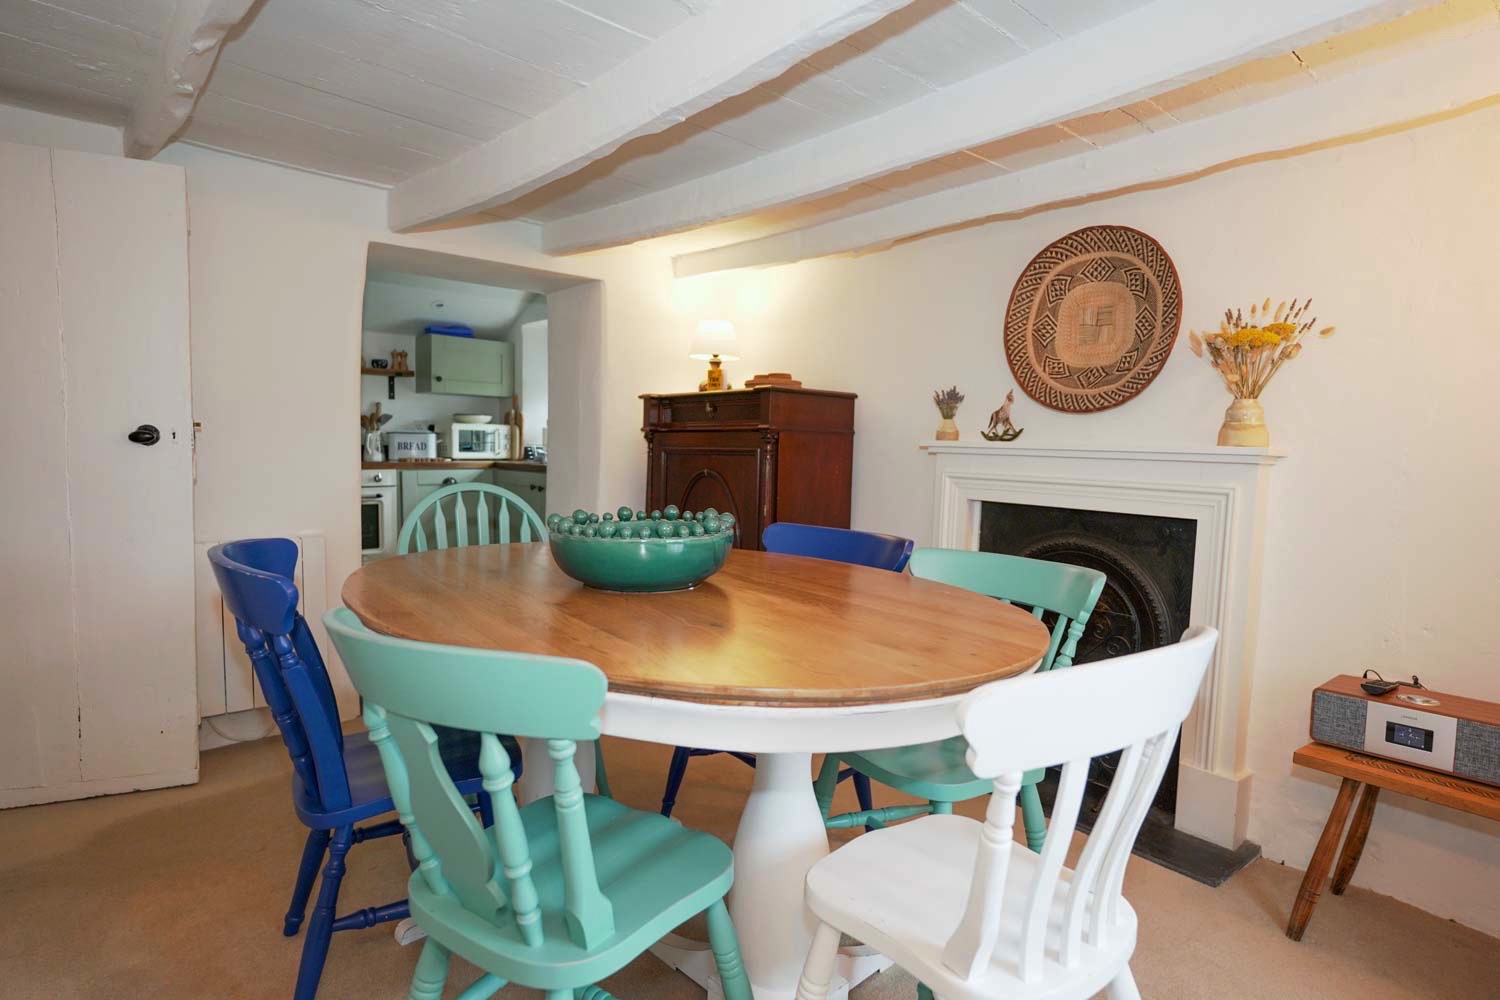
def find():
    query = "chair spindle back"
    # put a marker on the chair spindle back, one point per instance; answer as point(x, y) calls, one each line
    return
point(1134, 704)
point(410, 687)
point(486, 504)
point(1046, 588)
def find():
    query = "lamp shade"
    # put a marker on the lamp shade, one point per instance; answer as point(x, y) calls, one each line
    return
point(715, 338)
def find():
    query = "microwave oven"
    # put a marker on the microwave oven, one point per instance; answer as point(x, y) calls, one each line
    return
point(479, 441)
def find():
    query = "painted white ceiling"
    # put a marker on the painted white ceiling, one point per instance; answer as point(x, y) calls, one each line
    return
point(401, 302)
point(381, 90)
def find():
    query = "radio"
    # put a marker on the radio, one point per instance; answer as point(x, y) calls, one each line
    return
point(1443, 732)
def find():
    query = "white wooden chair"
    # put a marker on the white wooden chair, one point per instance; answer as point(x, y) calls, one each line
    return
point(964, 911)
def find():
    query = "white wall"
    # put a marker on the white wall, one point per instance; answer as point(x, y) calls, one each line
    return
point(38, 129)
point(531, 370)
point(1381, 548)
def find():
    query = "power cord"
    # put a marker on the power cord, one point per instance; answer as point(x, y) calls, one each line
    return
point(1380, 685)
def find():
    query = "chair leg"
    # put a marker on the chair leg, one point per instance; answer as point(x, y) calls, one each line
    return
point(924, 992)
point(680, 758)
point(827, 783)
point(866, 798)
point(432, 972)
point(312, 857)
point(817, 972)
point(1032, 818)
point(320, 930)
point(726, 948)
point(1122, 987)
point(942, 808)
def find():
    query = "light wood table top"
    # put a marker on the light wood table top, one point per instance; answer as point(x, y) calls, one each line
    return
point(767, 629)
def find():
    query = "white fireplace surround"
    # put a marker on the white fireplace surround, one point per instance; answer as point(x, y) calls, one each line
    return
point(1224, 491)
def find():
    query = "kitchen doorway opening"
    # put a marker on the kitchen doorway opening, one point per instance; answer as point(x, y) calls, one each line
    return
point(473, 371)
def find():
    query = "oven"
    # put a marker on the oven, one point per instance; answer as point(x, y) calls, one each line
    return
point(379, 513)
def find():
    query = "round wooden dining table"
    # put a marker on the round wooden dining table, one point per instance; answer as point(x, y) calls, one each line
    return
point(779, 656)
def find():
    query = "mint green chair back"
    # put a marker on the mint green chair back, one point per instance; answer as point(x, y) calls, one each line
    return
point(522, 899)
point(1058, 595)
point(479, 513)
point(1068, 593)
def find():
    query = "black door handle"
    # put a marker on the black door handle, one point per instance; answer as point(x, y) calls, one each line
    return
point(450, 481)
point(145, 434)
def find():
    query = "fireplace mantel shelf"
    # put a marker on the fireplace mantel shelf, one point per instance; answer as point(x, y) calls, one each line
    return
point(1168, 453)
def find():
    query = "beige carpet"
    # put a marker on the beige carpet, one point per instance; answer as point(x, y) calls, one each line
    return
point(179, 894)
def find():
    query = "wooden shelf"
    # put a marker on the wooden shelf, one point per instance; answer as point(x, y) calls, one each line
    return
point(386, 373)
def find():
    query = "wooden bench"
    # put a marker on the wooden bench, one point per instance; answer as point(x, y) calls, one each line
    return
point(1361, 770)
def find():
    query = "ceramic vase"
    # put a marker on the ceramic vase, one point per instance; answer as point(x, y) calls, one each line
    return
point(1245, 425)
point(947, 430)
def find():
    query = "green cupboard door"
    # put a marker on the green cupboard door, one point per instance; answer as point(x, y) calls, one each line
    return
point(463, 366)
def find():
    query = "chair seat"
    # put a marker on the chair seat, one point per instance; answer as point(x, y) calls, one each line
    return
point(656, 873)
point(909, 912)
point(936, 771)
point(368, 793)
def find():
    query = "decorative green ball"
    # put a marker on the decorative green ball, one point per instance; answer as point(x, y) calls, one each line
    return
point(607, 529)
point(580, 516)
point(624, 513)
point(726, 521)
point(710, 522)
point(671, 513)
point(665, 529)
point(697, 530)
point(656, 515)
point(589, 531)
point(625, 531)
point(553, 520)
point(684, 529)
point(687, 515)
point(593, 519)
point(640, 515)
point(709, 511)
point(608, 516)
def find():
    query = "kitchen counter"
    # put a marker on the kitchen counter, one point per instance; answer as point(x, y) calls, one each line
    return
point(440, 463)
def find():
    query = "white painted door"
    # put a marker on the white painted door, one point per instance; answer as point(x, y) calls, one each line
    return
point(97, 692)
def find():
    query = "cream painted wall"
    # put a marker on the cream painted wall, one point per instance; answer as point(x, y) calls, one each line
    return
point(38, 129)
point(1381, 548)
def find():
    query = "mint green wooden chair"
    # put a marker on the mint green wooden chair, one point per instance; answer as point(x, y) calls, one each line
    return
point(555, 896)
point(439, 505)
point(1058, 594)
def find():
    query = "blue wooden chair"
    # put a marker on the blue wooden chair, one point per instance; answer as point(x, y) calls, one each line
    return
point(555, 896)
point(337, 780)
point(862, 548)
point(1059, 595)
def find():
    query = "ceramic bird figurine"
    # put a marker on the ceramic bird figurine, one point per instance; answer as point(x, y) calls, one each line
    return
point(1001, 428)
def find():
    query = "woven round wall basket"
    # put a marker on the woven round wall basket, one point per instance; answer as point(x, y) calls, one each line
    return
point(1092, 319)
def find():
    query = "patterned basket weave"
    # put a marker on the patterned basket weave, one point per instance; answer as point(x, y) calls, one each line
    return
point(1093, 319)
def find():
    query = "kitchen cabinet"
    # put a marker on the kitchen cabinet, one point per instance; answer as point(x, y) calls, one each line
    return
point(465, 366)
point(765, 455)
point(529, 486)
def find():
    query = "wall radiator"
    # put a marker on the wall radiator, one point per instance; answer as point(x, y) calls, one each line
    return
point(226, 681)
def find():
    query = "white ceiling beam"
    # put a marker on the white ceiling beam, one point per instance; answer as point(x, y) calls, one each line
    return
point(1143, 53)
point(1400, 92)
point(175, 82)
point(724, 51)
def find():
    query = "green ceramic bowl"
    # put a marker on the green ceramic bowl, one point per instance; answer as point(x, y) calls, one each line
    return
point(640, 566)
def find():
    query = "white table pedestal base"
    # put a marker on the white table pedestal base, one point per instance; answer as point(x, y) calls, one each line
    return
point(781, 835)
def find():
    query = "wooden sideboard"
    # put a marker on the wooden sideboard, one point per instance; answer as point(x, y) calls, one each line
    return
point(765, 455)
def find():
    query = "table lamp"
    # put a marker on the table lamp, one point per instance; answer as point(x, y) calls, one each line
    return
point(714, 343)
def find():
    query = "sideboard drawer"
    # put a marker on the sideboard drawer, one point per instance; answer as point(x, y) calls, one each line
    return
point(711, 407)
